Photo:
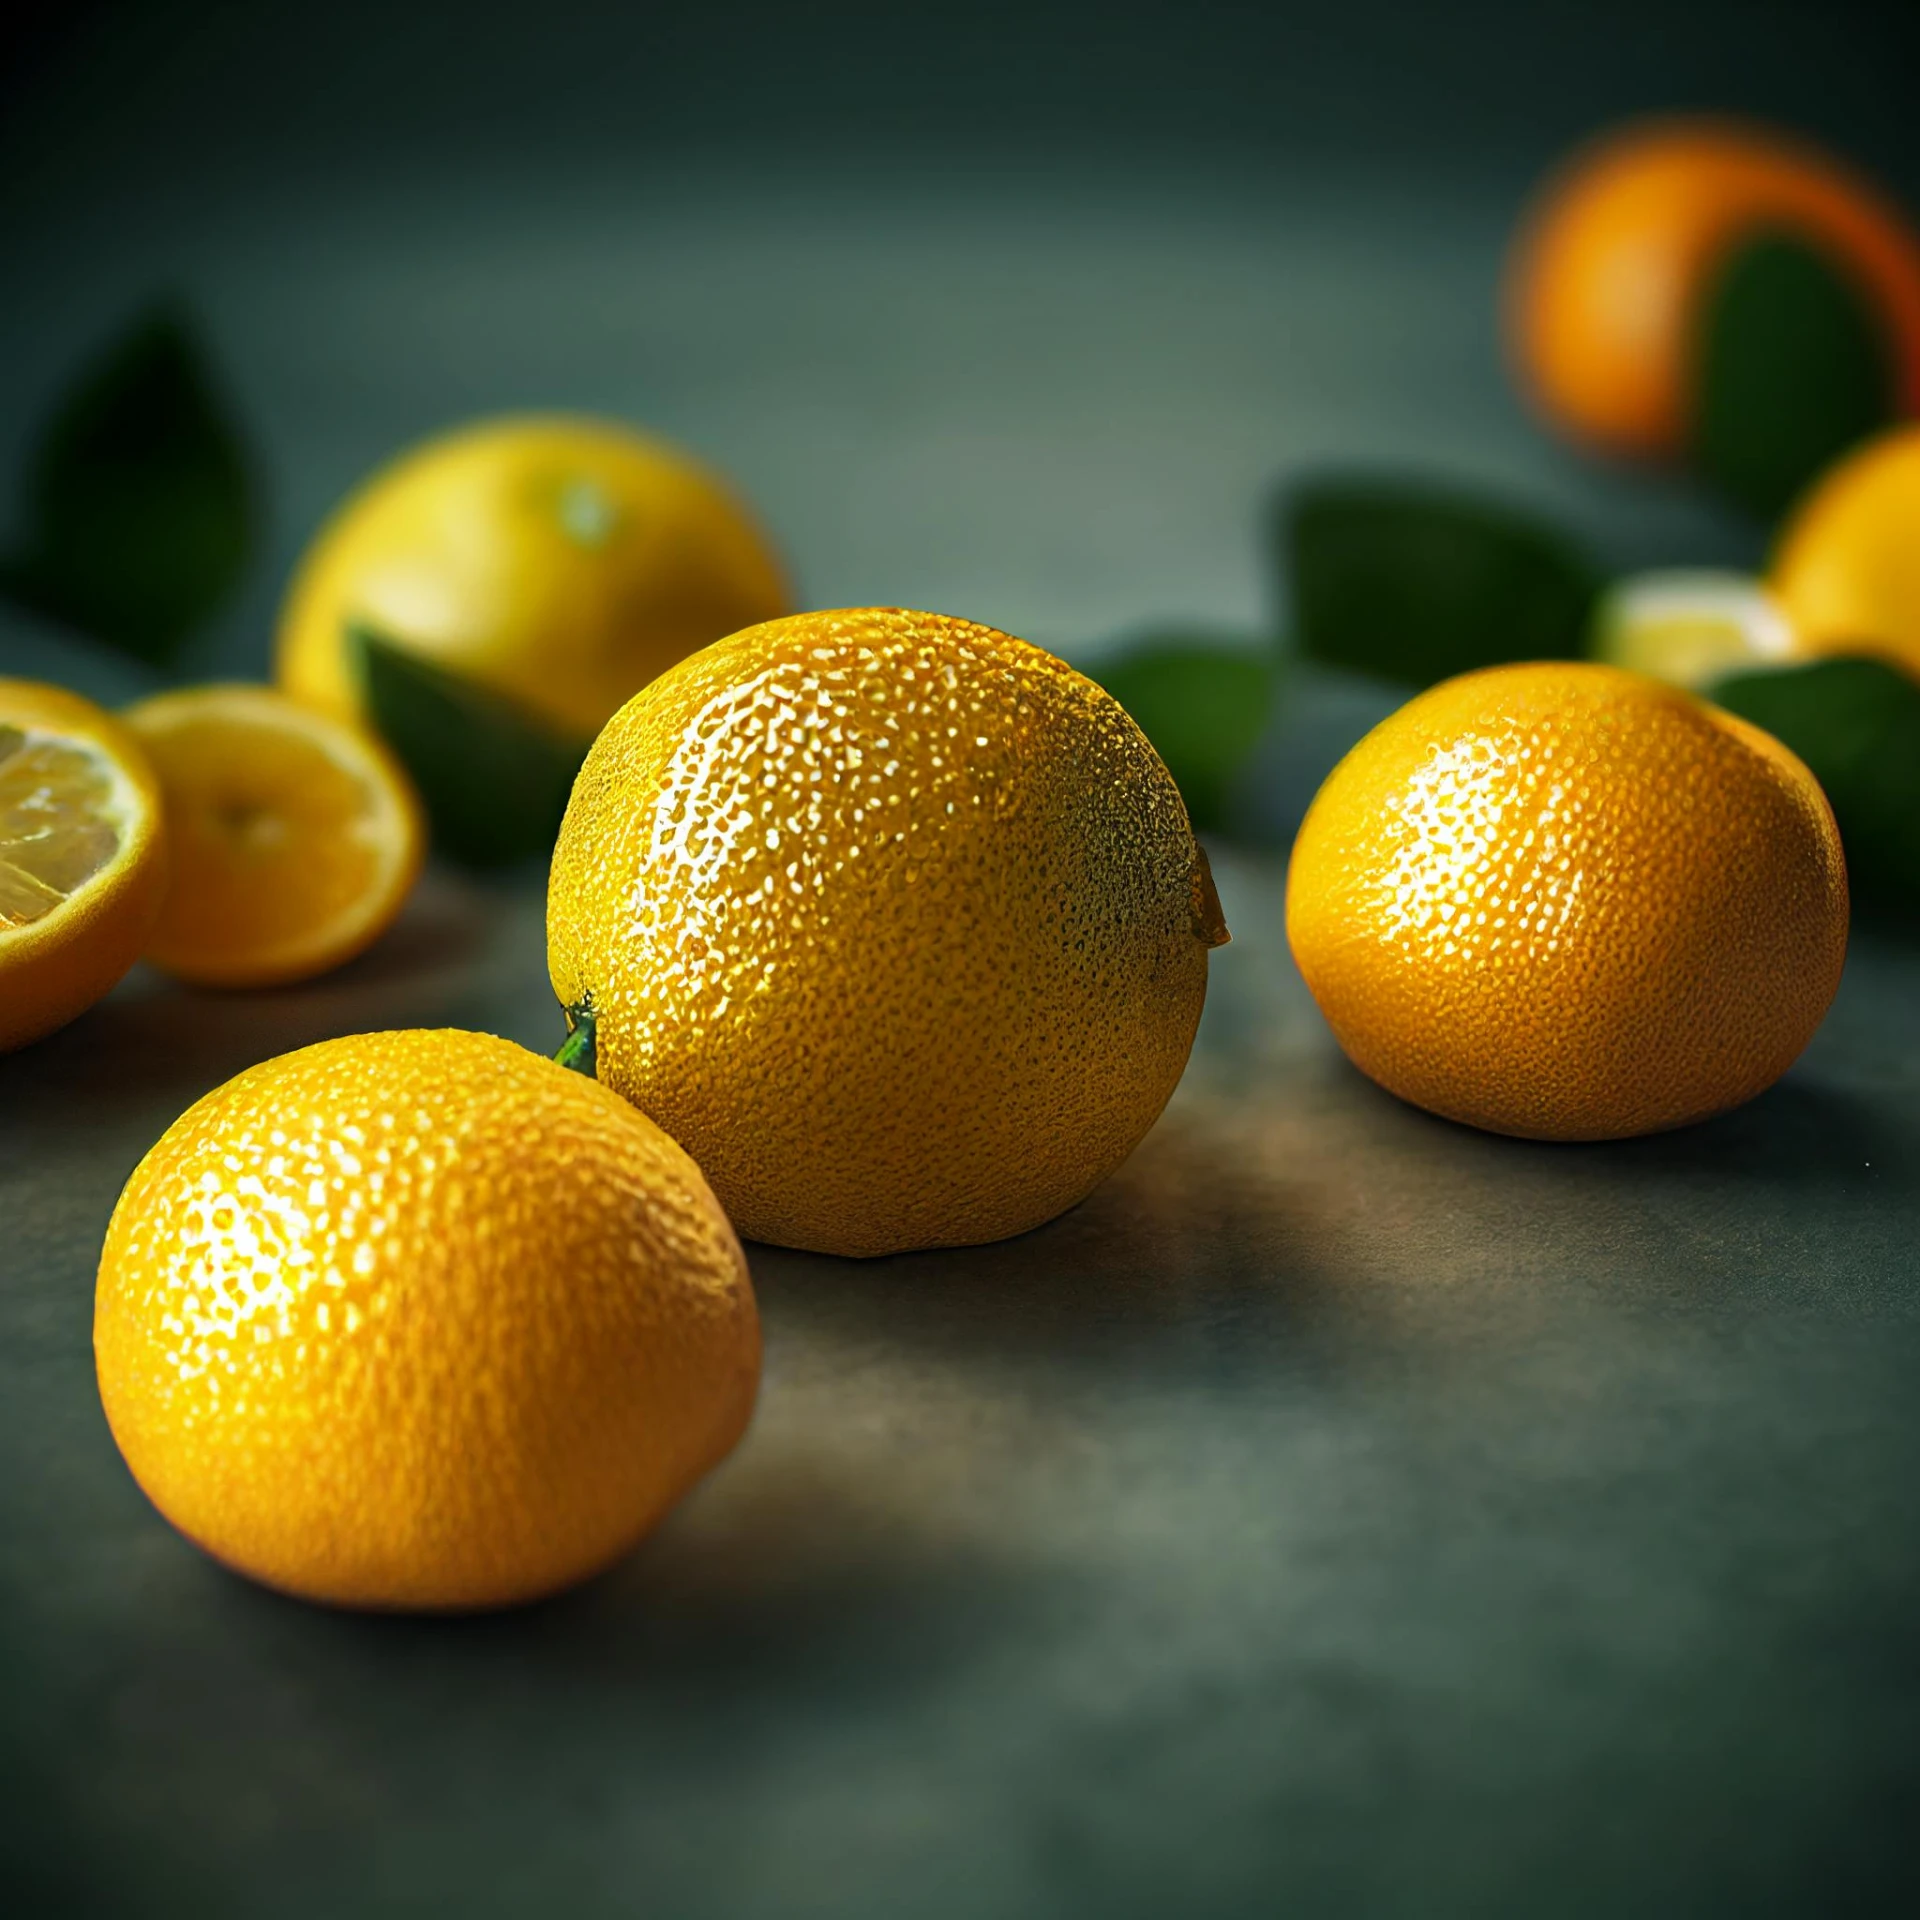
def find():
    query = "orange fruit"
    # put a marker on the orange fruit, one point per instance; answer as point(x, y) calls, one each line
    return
point(296, 837)
point(1847, 567)
point(1607, 273)
point(1568, 902)
point(420, 1320)
point(557, 563)
point(894, 921)
point(82, 856)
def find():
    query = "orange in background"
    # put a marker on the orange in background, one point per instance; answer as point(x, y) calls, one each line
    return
point(1608, 270)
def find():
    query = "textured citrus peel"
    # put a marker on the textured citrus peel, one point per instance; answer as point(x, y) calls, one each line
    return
point(893, 921)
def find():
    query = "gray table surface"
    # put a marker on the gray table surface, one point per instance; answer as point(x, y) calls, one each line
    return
point(1341, 1511)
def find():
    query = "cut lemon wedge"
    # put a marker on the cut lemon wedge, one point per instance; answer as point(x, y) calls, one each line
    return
point(1690, 627)
point(81, 856)
point(296, 837)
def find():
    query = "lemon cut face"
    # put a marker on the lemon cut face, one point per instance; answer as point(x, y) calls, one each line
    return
point(296, 837)
point(82, 856)
point(1690, 628)
point(64, 813)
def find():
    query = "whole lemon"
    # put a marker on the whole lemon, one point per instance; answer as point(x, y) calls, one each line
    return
point(420, 1320)
point(557, 563)
point(1847, 567)
point(894, 921)
point(1567, 902)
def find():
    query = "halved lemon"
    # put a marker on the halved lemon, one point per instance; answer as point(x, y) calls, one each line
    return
point(82, 856)
point(296, 837)
point(1691, 626)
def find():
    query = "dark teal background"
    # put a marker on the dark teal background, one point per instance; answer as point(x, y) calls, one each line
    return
point(1342, 1512)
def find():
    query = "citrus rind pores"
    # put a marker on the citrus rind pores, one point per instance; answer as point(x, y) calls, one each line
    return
point(420, 1319)
point(895, 922)
point(1566, 902)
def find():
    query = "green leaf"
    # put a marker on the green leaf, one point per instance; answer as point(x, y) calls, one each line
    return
point(1416, 582)
point(1856, 723)
point(1204, 708)
point(580, 1049)
point(495, 780)
point(140, 503)
point(1793, 366)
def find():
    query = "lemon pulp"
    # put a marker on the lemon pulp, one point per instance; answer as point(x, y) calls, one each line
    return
point(62, 812)
point(295, 838)
point(1690, 627)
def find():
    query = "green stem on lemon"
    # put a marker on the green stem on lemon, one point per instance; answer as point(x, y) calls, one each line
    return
point(577, 1050)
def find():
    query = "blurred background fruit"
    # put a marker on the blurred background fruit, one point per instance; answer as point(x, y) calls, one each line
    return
point(1566, 902)
point(1689, 626)
point(515, 1332)
point(82, 856)
point(1847, 566)
point(295, 837)
point(895, 922)
point(1720, 293)
point(490, 598)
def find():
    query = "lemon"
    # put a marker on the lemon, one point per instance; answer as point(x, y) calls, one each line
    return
point(556, 563)
point(1563, 901)
point(82, 856)
point(296, 837)
point(895, 922)
point(1691, 627)
point(420, 1320)
point(1847, 566)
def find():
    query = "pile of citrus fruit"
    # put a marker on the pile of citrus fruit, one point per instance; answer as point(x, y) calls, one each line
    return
point(895, 923)
point(878, 929)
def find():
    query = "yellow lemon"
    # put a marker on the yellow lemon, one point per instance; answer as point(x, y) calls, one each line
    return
point(1568, 902)
point(1691, 627)
point(296, 837)
point(1847, 568)
point(895, 922)
point(420, 1320)
point(82, 856)
point(556, 563)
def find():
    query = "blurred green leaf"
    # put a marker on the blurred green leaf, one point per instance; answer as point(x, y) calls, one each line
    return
point(1203, 705)
point(1793, 366)
point(139, 497)
point(1416, 582)
point(494, 780)
point(1856, 723)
